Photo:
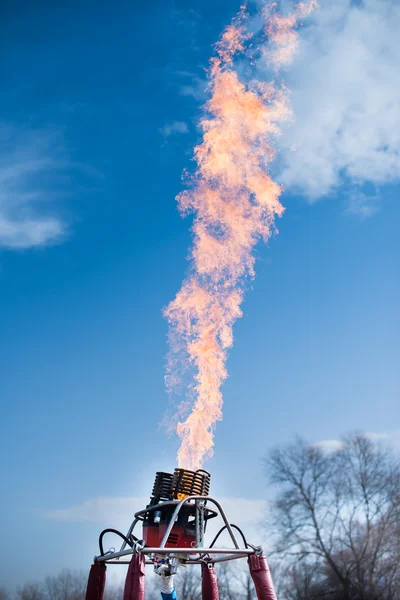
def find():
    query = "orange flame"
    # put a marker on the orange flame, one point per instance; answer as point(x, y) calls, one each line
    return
point(235, 202)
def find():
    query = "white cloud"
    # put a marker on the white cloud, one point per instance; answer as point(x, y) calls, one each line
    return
point(28, 232)
point(30, 163)
point(392, 437)
point(361, 204)
point(374, 436)
point(99, 510)
point(329, 445)
point(175, 127)
point(345, 94)
point(243, 510)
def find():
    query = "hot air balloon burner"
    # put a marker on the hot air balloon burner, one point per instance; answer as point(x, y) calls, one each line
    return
point(174, 524)
point(189, 524)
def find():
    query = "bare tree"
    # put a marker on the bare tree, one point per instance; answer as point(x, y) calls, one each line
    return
point(300, 582)
point(226, 579)
point(235, 582)
point(116, 592)
point(31, 591)
point(188, 583)
point(339, 512)
point(4, 595)
point(67, 585)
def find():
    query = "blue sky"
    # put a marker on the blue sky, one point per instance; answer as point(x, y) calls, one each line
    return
point(99, 109)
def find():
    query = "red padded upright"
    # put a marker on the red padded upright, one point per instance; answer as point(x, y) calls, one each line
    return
point(135, 578)
point(209, 583)
point(261, 575)
point(96, 581)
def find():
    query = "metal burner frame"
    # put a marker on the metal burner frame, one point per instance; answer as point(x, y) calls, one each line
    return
point(196, 555)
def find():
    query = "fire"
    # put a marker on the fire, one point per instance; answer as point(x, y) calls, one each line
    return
point(235, 203)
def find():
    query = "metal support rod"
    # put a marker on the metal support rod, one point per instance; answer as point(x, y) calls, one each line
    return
point(188, 499)
point(113, 555)
point(229, 557)
point(188, 562)
point(244, 551)
point(199, 523)
point(211, 514)
point(131, 528)
point(185, 551)
point(126, 562)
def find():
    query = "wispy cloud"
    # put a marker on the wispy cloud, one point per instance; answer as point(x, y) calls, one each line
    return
point(195, 90)
point(192, 86)
point(376, 437)
point(329, 445)
point(98, 510)
point(174, 127)
point(345, 92)
point(362, 205)
point(32, 165)
point(392, 437)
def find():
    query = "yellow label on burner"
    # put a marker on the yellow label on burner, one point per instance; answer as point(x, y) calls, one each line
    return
point(182, 496)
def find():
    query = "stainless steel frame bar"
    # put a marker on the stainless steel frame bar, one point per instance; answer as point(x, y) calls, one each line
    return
point(245, 551)
point(131, 528)
point(208, 499)
point(227, 551)
point(188, 562)
point(199, 523)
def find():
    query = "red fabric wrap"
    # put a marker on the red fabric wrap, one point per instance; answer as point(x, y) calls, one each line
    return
point(135, 578)
point(261, 575)
point(96, 581)
point(209, 583)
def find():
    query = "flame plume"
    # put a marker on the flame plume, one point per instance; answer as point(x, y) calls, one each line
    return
point(234, 202)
